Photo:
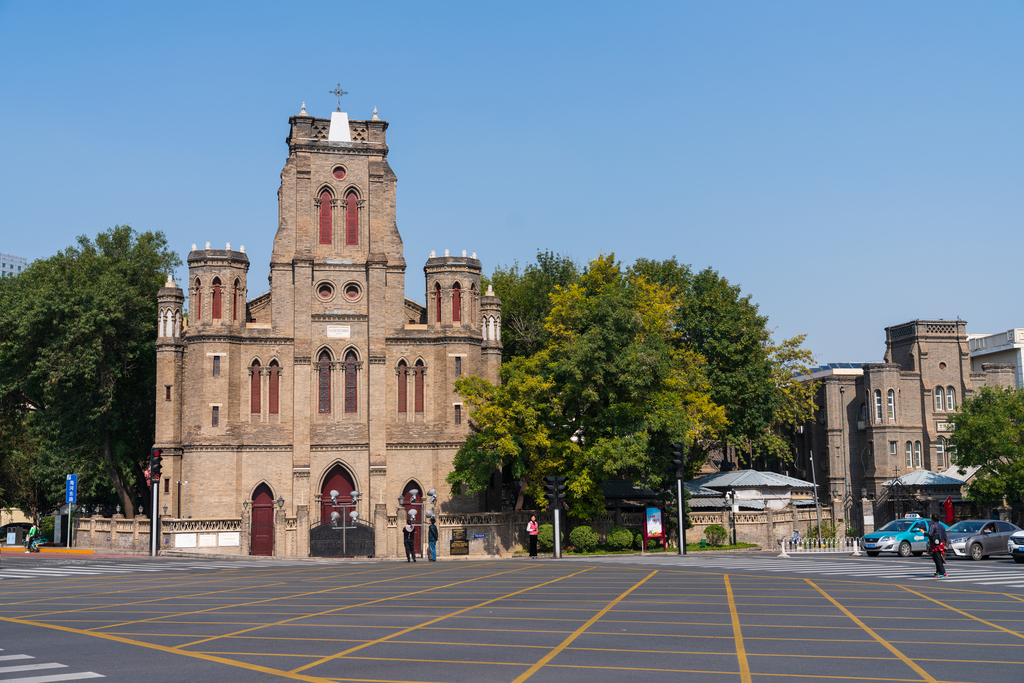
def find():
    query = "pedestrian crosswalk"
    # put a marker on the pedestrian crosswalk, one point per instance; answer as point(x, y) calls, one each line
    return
point(18, 664)
point(1001, 575)
point(25, 570)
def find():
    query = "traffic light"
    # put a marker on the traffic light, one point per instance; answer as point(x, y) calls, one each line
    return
point(154, 464)
point(554, 490)
point(678, 459)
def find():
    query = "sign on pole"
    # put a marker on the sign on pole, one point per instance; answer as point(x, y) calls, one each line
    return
point(71, 489)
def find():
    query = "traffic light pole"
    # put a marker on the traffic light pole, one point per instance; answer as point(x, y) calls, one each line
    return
point(154, 519)
point(682, 528)
point(558, 536)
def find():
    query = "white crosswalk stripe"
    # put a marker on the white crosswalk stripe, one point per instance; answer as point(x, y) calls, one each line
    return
point(40, 666)
point(1001, 575)
point(25, 571)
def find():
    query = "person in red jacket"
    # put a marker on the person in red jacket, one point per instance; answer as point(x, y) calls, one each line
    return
point(937, 545)
point(532, 528)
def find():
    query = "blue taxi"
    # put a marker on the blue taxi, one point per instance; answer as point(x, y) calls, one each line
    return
point(905, 537)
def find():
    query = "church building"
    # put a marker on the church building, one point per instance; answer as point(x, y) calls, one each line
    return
point(333, 381)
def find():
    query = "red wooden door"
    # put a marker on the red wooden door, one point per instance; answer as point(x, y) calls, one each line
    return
point(337, 480)
point(262, 521)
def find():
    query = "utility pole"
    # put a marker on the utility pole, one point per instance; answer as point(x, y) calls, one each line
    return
point(678, 458)
point(155, 469)
point(814, 480)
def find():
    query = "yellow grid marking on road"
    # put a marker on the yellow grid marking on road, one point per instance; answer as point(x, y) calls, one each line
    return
point(966, 614)
point(576, 634)
point(363, 604)
point(885, 643)
point(434, 621)
point(737, 633)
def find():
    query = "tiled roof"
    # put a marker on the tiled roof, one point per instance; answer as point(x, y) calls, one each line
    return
point(750, 479)
point(925, 478)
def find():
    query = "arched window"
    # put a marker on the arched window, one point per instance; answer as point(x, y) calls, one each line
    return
point(234, 305)
point(862, 412)
point(938, 398)
point(917, 454)
point(324, 382)
point(351, 219)
point(950, 398)
point(255, 392)
point(403, 387)
point(910, 454)
point(351, 395)
point(275, 388)
point(878, 405)
point(892, 404)
point(437, 298)
point(471, 309)
point(418, 391)
point(199, 299)
point(216, 298)
point(940, 452)
point(177, 323)
point(456, 303)
point(325, 217)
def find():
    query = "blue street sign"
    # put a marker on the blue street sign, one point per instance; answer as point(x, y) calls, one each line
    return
point(71, 489)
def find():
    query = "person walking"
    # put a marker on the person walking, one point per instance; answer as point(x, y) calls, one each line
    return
point(937, 545)
point(409, 534)
point(532, 528)
point(32, 533)
point(432, 540)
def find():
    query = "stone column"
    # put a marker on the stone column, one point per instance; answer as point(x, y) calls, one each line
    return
point(302, 530)
point(869, 515)
point(380, 530)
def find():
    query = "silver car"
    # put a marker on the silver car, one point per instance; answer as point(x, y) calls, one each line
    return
point(979, 538)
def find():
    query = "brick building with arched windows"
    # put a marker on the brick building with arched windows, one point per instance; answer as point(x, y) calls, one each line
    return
point(333, 380)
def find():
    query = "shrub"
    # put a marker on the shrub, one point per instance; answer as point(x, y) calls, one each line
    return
point(716, 534)
point(620, 538)
point(827, 531)
point(583, 538)
point(638, 542)
point(46, 527)
point(546, 537)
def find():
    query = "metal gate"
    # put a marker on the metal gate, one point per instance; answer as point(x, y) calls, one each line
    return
point(895, 503)
point(338, 539)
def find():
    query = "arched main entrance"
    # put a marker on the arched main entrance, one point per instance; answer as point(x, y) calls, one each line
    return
point(416, 505)
point(337, 479)
point(262, 521)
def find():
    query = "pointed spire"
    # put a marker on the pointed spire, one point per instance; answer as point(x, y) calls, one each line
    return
point(303, 112)
point(170, 281)
point(490, 291)
point(375, 117)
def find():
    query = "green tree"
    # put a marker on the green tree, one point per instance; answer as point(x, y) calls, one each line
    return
point(989, 433)
point(77, 359)
point(526, 300)
point(604, 397)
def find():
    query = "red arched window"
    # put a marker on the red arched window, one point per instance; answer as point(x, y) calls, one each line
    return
point(437, 298)
point(324, 382)
point(351, 219)
point(351, 396)
point(403, 387)
point(216, 298)
point(275, 388)
point(234, 305)
point(199, 299)
point(255, 393)
point(419, 386)
point(325, 217)
point(456, 303)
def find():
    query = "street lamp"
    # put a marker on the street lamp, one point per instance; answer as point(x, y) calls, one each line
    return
point(280, 502)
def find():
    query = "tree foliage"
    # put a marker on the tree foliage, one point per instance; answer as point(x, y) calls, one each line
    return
point(78, 363)
point(989, 433)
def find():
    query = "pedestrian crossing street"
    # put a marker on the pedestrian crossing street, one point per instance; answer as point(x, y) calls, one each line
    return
point(42, 571)
point(18, 664)
point(962, 572)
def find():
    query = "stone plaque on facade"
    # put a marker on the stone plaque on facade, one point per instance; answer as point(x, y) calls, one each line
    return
point(459, 534)
point(459, 547)
point(339, 331)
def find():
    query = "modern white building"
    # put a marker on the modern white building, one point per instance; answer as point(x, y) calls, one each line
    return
point(12, 265)
point(1005, 347)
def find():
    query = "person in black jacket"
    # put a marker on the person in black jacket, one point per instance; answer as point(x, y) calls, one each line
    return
point(937, 545)
point(432, 540)
point(409, 534)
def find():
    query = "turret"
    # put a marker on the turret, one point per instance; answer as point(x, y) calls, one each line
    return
point(217, 288)
point(453, 287)
point(169, 354)
point(490, 325)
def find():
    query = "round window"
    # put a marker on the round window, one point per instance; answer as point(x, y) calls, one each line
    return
point(325, 291)
point(352, 291)
point(339, 173)
point(942, 366)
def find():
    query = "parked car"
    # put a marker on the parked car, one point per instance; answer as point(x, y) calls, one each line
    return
point(1015, 546)
point(901, 536)
point(979, 538)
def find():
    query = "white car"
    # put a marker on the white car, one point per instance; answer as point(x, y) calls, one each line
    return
point(1015, 546)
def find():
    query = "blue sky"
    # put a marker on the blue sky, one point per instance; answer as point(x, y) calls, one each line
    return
point(850, 165)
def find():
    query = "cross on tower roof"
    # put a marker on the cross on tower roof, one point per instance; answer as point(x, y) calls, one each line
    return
point(338, 92)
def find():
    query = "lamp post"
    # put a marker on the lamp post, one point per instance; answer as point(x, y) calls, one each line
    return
point(732, 513)
point(352, 515)
point(814, 480)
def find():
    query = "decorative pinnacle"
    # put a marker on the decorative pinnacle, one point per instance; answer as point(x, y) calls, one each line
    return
point(303, 112)
point(375, 117)
point(170, 281)
point(490, 291)
point(338, 92)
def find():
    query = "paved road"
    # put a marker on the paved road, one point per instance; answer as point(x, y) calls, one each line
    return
point(746, 618)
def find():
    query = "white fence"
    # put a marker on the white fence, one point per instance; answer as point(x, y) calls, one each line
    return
point(802, 546)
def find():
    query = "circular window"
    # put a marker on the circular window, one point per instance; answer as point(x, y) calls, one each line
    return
point(325, 291)
point(942, 366)
point(352, 291)
point(339, 173)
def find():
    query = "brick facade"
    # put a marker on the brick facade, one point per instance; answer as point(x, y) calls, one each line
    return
point(868, 413)
point(335, 320)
